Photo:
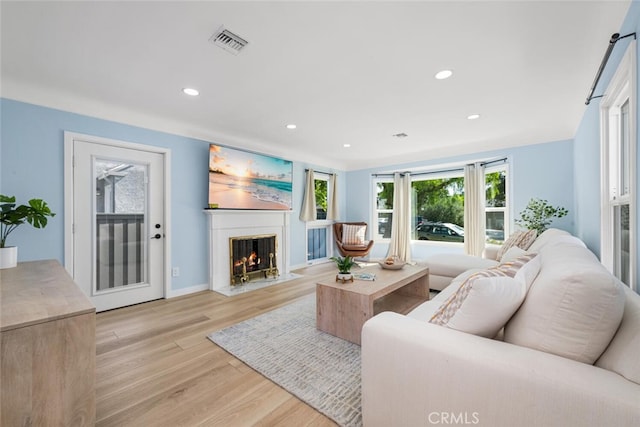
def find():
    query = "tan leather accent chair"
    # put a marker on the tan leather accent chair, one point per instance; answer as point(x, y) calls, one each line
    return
point(353, 250)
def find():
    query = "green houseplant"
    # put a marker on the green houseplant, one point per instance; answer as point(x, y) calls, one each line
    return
point(344, 267)
point(35, 212)
point(539, 214)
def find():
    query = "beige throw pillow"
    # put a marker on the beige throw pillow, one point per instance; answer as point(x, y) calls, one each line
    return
point(520, 239)
point(486, 300)
point(353, 234)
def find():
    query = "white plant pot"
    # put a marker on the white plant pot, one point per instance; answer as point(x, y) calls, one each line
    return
point(8, 257)
point(344, 276)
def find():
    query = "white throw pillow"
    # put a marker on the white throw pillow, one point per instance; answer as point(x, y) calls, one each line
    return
point(528, 272)
point(353, 234)
point(486, 300)
point(513, 253)
point(489, 305)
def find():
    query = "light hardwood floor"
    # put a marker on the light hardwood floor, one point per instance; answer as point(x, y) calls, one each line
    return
point(155, 366)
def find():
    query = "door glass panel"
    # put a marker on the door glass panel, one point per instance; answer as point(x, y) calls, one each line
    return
point(621, 243)
point(120, 217)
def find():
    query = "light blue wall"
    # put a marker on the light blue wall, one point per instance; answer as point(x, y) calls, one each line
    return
point(32, 165)
point(587, 143)
point(542, 170)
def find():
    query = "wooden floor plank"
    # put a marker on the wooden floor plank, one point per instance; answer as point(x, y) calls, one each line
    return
point(155, 365)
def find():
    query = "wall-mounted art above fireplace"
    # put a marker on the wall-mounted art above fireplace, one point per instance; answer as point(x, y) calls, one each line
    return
point(242, 180)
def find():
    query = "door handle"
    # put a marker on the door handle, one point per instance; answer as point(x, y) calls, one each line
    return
point(157, 236)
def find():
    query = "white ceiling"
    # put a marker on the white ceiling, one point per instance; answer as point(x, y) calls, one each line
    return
point(344, 72)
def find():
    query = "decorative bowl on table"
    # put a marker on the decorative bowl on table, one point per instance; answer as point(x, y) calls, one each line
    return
point(392, 263)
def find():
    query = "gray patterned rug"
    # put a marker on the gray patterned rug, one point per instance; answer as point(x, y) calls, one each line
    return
point(285, 346)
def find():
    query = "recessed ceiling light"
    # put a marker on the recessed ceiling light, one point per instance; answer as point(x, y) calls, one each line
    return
point(473, 116)
point(190, 91)
point(291, 126)
point(346, 145)
point(444, 74)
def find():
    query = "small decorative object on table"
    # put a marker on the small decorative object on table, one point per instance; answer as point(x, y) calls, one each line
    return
point(365, 276)
point(344, 268)
point(392, 263)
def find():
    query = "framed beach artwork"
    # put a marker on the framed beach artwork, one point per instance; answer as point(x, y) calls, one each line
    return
point(243, 180)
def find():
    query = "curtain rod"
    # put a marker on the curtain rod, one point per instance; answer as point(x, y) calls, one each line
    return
point(612, 42)
point(326, 173)
point(456, 169)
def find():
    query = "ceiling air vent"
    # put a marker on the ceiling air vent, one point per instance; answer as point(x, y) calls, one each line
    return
point(228, 41)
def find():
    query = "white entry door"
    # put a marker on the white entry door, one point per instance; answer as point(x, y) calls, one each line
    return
point(118, 222)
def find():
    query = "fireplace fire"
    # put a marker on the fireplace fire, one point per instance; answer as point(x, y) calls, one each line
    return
point(252, 257)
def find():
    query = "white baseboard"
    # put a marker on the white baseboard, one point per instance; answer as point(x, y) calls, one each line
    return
point(186, 291)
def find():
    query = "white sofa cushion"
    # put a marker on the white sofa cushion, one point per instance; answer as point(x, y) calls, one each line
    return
point(485, 301)
point(574, 306)
point(623, 354)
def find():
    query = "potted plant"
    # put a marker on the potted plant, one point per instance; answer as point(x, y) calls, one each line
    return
point(344, 267)
point(12, 216)
point(538, 215)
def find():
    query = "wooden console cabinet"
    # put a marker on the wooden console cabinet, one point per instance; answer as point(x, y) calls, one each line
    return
point(48, 348)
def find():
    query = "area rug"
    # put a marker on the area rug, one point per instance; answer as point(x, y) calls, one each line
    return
point(285, 346)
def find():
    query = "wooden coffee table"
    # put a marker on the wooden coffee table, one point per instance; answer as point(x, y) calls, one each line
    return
point(342, 308)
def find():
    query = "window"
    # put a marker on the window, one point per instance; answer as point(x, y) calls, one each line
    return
point(497, 226)
point(321, 184)
point(618, 149)
point(384, 207)
point(438, 205)
point(319, 237)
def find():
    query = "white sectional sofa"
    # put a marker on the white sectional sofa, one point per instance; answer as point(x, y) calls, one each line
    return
point(569, 356)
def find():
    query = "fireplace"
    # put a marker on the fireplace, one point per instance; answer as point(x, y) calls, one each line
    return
point(252, 257)
point(227, 224)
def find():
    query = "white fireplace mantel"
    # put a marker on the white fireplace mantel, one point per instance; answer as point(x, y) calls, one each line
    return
point(225, 224)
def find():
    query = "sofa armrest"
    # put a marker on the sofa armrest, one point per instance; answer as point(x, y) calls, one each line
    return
point(415, 373)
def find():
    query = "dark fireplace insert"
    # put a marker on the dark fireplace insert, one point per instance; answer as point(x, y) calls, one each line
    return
point(252, 257)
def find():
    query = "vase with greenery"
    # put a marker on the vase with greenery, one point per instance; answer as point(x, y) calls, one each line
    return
point(344, 266)
point(539, 214)
point(35, 213)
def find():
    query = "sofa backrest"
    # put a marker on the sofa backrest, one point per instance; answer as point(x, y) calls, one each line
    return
point(623, 354)
point(547, 236)
point(574, 305)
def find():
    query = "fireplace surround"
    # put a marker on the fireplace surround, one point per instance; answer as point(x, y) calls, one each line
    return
point(224, 225)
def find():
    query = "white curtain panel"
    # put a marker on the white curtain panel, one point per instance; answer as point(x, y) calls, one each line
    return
point(332, 207)
point(308, 211)
point(400, 244)
point(474, 205)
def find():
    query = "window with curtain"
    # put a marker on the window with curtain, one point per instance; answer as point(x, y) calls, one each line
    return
point(437, 205)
